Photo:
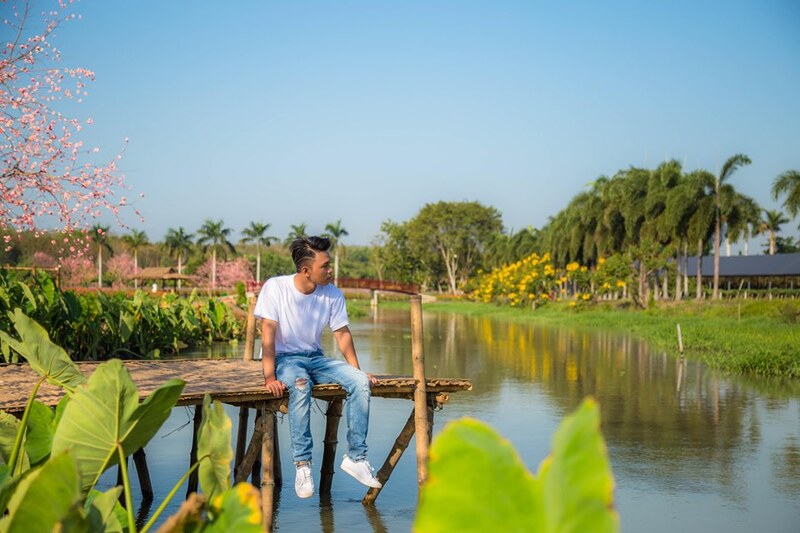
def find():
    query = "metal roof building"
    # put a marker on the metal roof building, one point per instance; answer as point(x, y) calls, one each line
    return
point(739, 266)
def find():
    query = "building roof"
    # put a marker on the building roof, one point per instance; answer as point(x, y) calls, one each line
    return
point(749, 265)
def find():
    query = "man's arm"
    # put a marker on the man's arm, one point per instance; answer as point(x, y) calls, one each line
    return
point(268, 329)
point(345, 341)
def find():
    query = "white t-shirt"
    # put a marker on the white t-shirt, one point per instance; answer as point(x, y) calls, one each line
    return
point(300, 317)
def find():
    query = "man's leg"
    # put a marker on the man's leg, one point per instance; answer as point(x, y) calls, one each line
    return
point(356, 384)
point(292, 371)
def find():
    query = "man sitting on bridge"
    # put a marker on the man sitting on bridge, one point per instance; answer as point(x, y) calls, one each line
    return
point(294, 309)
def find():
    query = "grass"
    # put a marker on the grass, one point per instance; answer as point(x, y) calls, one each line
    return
point(756, 337)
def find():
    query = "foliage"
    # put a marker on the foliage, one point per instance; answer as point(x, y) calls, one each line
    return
point(46, 171)
point(445, 241)
point(477, 482)
point(228, 272)
point(96, 426)
point(95, 325)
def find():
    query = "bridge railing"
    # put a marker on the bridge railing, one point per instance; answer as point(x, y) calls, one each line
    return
point(360, 283)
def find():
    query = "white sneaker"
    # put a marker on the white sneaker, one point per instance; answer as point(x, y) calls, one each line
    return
point(304, 482)
point(362, 471)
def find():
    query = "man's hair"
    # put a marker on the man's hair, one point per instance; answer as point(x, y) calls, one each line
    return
point(304, 249)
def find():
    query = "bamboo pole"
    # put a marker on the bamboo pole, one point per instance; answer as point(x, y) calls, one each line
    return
point(267, 457)
point(140, 460)
point(399, 446)
point(250, 330)
point(193, 479)
point(276, 467)
point(420, 396)
point(243, 470)
point(241, 436)
point(332, 417)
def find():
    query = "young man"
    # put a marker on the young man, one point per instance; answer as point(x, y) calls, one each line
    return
point(294, 309)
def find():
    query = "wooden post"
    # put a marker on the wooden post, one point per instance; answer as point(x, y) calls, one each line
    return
point(420, 396)
point(193, 479)
point(243, 470)
point(373, 298)
point(241, 436)
point(250, 330)
point(276, 466)
point(140, 460)
point(332, 417)
point(267, 457)
point(400, 445)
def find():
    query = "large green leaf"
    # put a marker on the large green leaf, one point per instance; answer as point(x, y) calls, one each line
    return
point(476, 481)
point(214, 442)
point(45, 357)
point(9, 427)
point(46, 498)
point(237, 509)
point(39, 436)
point(103, 509)
point(106, 413)
point(576, 480)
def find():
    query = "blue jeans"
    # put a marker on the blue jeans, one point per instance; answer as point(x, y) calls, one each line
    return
point(299, 372)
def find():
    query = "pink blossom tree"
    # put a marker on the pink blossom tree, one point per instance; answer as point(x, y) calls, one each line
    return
point(76, 271)
point(228, 273)
point(121, 267)
point(47, 174)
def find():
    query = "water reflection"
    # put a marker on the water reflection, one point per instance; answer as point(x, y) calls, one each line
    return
point(690, 449)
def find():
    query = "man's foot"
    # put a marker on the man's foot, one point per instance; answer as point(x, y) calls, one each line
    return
point(304, 482)
point(362, 471)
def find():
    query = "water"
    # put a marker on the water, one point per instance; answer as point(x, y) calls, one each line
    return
point(715, 454)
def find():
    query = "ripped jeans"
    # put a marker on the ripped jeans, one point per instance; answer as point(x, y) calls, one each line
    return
point(299, 372)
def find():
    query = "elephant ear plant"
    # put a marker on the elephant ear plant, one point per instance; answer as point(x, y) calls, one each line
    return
point(50, 461)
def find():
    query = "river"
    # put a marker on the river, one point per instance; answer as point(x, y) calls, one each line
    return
point(712, 453)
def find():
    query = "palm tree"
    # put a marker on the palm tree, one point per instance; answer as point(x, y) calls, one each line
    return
point(335, 232)
point(788, 183)
point(99, 234)
point(214, 235)
point(723, 190)
point(699, 197)
point(744, 216)
point(178, 242)
point(135, 240)
point(772, 223)
point(296, 231)
point(255, 232)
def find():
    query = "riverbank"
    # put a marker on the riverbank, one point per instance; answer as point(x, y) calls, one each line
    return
point(743, 337)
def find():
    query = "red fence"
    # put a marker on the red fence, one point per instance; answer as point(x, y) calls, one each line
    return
point(356, 283)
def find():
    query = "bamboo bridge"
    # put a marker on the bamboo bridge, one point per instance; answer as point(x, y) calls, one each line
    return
point(240, 383)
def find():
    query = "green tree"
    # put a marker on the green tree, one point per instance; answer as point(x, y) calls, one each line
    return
point(449, 238)
point(178, 242)
point(295, 232)
point(723, 193)
point(256, 233)
point(136, 240)
point(335, 232)
point(99, 235)
point(773, 220)
point(214, 235)
point(788, 183)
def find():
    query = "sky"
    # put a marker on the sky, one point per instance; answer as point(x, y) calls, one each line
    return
point(365, 111)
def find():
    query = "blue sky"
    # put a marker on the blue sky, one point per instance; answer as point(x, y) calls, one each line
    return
point(311, 112)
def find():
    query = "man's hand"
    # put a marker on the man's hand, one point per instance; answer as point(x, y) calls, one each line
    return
point(372, 379)
point(274, 387)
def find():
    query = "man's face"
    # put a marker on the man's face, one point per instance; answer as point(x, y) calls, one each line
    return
point(319, 270)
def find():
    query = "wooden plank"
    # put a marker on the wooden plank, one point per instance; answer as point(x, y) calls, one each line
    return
point(230, 381)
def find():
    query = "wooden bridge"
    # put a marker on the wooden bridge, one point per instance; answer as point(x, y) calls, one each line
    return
point(362, 283)
point(241, 383)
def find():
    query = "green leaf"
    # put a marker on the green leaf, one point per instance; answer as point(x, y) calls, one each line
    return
point(39, 436)
point(8, 485)
point(102, 510)
point(26, 291)
point(10, 425)
point(214, 442)
point(105, 413)
point(126, 326)
point(476, 482)
point(45, 357)
point(56, 483)
point(237, 509)
point(576, 479)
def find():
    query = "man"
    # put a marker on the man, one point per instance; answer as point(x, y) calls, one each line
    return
point(294, 309)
